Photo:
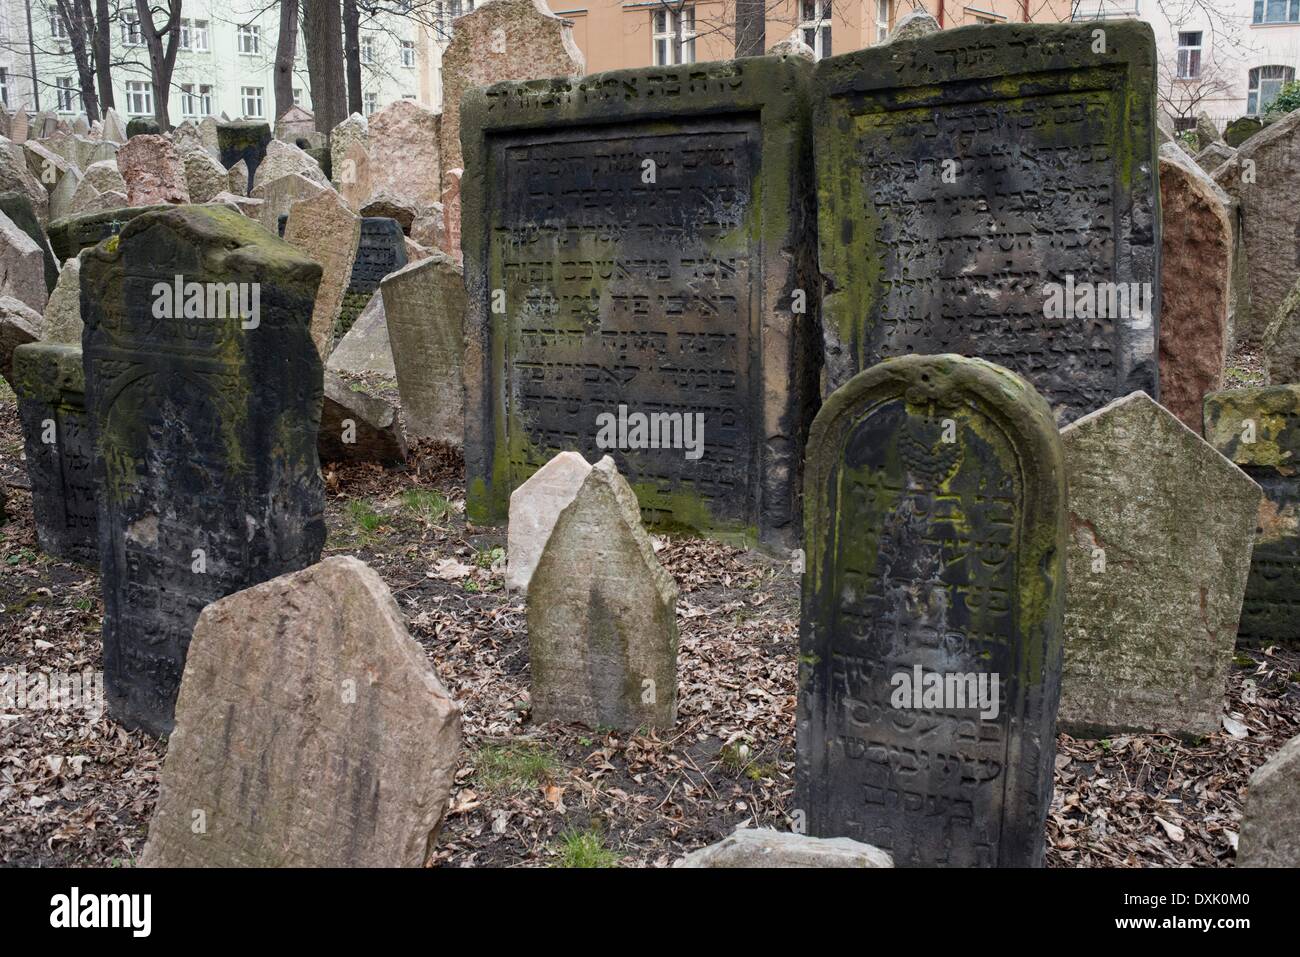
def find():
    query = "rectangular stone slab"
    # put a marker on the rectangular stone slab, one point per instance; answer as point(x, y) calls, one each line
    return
point(960, 173)
point(642, 234)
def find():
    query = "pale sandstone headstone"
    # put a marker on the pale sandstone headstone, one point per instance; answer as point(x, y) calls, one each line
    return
point(237, 179)
point(208, 135)
point(152, 170)
point(295, 122)
point(366, 347)
point(424, 305)
point(279, 195)
point(392, 207)
point(353, 176)
point(104, 176)
point(114, 126)
point(22, 266)
point(281, 159)
point(1270, 819)
point(355, 129)
point(602, 626)
point(14, 175)
point(204, 176)
point(751, 847)
point(20, 127)
point(1280, 341)
point(324, 228)
point(63, 311)
point(63, 196)
point(403, 149)
point(1207, 133)
point(534, 508)
point(793, 45)
point(1160, 534)
point(317, 737)
point(19, 325)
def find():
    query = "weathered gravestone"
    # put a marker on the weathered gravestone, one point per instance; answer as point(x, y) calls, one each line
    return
point(1280, 340)
point(424, 304)
point(534, 507)
point(57, 441)
point(602, 625)
point(1160, 532)
point(1196, 265)
point(752, 847)
point(381, 250)
point(358, 427)
point(1259, 430)
point(311, 731)
point(1240, 130)
point(991, 191)
point(324, 228)
point(153, 171)
point(1270, 819)
point(246, 141)
point(366, 348)
point(402, 148)
point(70, 235)
point(930, 648)
point(22, 266)
point(19, 209)
point(19, 325)
point(661, 269)
point(205, 392)
point(1214, 156)
point(63, 311)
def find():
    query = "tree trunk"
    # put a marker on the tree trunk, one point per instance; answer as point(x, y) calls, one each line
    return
point(74, 14)
point(352, 55)
point(162, 58)
point(31, 56)
point(751, 27)
point(101, 41)
point(322, 31)
point(285, 49)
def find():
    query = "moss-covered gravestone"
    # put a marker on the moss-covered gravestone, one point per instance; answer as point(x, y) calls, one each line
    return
point(71, 234)
point(930, 643)
point(59, 447)
point(245, 141)
point(1259, 430)
point(638, 261)
point(205, 391)
point(1240, 130)
point(991, 191)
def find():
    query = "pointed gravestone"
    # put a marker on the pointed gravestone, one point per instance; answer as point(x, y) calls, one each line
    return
point(534, 507)
point(278, 197)
point(1259, 430)
point(366, 347)
point(50, 386)
point(327, 231)
point(381, 252)
point(602, 626)
point(205, 391)
point(295, 122)
point(1270, 819)
point(22, 266)
point(1161, 527)
point(281, 159)
point(1001, 213)
point(930, 648)
point(63, 311)
point(424, 304)
point(321, 738)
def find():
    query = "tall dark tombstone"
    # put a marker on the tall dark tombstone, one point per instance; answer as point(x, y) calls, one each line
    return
point(934, 522)
point(991, 191)
point(206, 407)
point(380, 251)
point(59, 447)
point(641, 240)
point(69, 235)
point(245, 140)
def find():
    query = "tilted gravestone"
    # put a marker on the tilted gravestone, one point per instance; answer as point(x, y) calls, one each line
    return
point(311, 731)
point(424, 306)
point(328, 232)
point(245, 141)
point(602, 615)
point(381, 251)
point(930, 643)
point(1270, 818)
point(50, 385)
point(19, 209)
point(1259, 430)
point(628, 284)
point(991, 191)
point(205, 392)
point(1161, 527)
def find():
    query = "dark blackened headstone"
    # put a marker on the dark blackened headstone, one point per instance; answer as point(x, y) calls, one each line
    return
point(974, 180)
point(1259, 430)
point(71, 234)
point(934, 522)
point(206, 403)
point(59, 447)
point(142, 125)
point(18, 207)
point(381, 250)
point(663, 265)
point(245, 141)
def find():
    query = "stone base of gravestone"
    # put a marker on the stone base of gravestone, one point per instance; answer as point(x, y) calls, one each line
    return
point(1270, 818)
point(751, 847)
point(321, 738)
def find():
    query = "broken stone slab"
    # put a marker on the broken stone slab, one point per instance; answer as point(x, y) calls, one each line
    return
point(366, 348)
point(22, 266)
point(1207, 133)
point(1280, 341)
point(281, 159)
point(1270, 817)
point(329, 232)
point(602, 625)
point(152, 170)
point(1160, 534)
point(534, 508)
point(279, 195)
point(19, 325)
point(321, 738)
point(356, 427)
point(388, 205)
point(762, 847)
point(63, 311)
point(1213, 156)
point(19, 209)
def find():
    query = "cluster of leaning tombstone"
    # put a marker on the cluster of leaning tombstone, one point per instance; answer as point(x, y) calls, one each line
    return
point(912, 296)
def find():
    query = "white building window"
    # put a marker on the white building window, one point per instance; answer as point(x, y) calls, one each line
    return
point(250, 38)
point(815, 24)
point(1265, 83)
point(130, 29)
point(196, 99)
point(408, 53)
point(367, 50)
point(664, 25)
point(250, 99)
point(57, 29)
point(370, 103)
point(1277, 11)
point(883, 13)
point(66, 95)
point(1189, 55)
point(139, 98)
point(194, 35)
point(297, 96)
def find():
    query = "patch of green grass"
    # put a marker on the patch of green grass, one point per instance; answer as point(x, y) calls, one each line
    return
point(83, 604)
point(428, 504)
point(734, 757)
point(585, 849)
point(1243, 660)
point(516, 766)
point(21, 556)
point(363, 515)
point(487, 557)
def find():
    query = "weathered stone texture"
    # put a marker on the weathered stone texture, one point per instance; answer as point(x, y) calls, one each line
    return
point(153, 171)
point(19, 325)
point(366, 347)
point(329, 232)
point(750, 847)
point(534, 508)
point(22, 266)
point(403, 150)
point(244, 142)
point(1270, 818)
point(63, 311)
point(356, 427)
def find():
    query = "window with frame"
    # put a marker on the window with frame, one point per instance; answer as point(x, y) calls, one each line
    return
point(250, 101)
point(130, 29)
point(664, 26)
point(196, 99)
point(408, 53)
point(250, 38)
point(1277, 11)
point(370, 103)
point(367, 49)
point(57, 28)
point(66, 95)
point(297, 96)
point(883, 14)
point(1189, 55)
point(1264, 84)
point(194, 35)
point(139, 98)
point(815, 25)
